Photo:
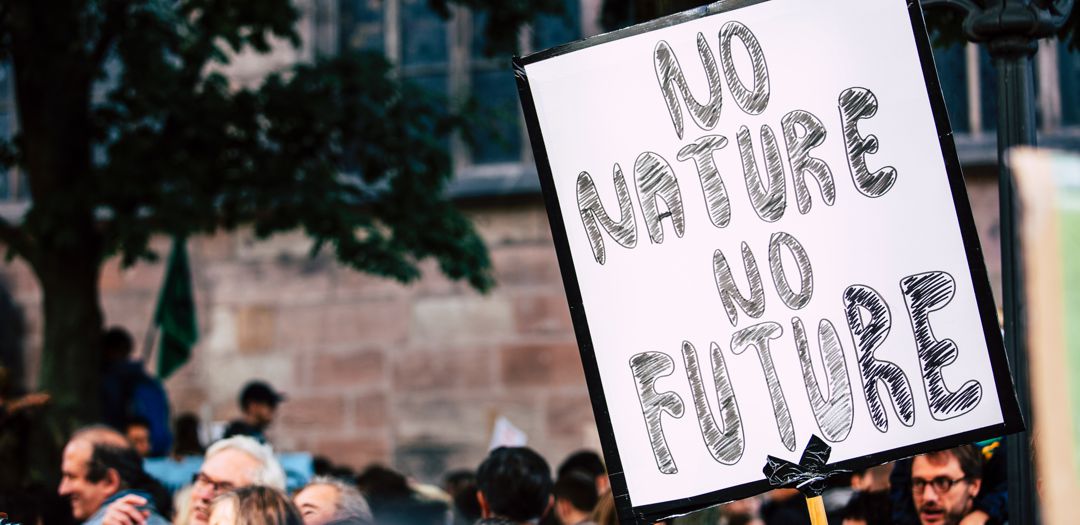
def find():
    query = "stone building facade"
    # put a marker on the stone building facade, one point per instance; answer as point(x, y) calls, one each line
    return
point(375, 371)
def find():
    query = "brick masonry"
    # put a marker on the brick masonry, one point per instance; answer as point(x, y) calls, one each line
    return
point(412, 376)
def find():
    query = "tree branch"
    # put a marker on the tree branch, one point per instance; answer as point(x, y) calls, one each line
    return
point(114, 18)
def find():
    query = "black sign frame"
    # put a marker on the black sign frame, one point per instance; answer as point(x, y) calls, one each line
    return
point(627, 511)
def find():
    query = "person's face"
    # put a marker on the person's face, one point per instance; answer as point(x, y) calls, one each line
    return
point(86, 497)
point(223, 513)
point(937, 506)
point(227, 470)
point(317, 504)
point(262, 413)
point(139, 437)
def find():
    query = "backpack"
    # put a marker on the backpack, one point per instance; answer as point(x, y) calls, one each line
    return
point(149, 400)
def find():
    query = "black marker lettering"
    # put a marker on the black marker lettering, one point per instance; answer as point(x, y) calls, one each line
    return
point(624, 231)
point(793, 300)
point(726, 446)
point(758, 336)
point(716, 197)
point(868, 338)
point(769, 199)
point(836, 416)
point(730, 295)
point(670, 75)
point(656, 181)
point(925, 293)
point(799, 145)
point(647, 367)
point(753, 101)
point(856, 104)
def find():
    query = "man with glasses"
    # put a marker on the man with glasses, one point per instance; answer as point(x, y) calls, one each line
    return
point(944, 485)
point(231, 463)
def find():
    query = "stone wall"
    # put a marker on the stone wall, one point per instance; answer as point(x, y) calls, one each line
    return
point(376, 371)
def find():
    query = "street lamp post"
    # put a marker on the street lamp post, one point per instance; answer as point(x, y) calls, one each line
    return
point(1011, 29)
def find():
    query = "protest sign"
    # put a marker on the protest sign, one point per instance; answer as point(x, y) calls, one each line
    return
point(1048, 184)
point(764, 236)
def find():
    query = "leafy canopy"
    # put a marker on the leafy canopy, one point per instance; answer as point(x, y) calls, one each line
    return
point(341, 149)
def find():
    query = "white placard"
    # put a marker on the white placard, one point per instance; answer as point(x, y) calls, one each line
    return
point(808, 167)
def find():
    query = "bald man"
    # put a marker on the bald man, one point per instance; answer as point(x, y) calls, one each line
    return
point(98, 468)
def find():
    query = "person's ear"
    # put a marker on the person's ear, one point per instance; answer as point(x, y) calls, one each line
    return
point(550, 505)
point(112, 480)
point(976, 484)
point(485, 511)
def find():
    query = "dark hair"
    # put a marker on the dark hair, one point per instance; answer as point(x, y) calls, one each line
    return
point(579, 489)
point(379, 483)
point(465, 502)
point(969, 457)
point(186, 428)
point(259, 392)
point(585, 461)
point(136, 421)
point(875, 508)
point(971, 460)
point(515, 482)
point(129, 468)
point(116, 343)
point(455, 480)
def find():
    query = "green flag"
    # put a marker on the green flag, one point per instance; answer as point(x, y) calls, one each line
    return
point(175, 312)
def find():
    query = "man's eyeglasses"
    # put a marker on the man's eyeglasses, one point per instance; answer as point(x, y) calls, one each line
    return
point(941, 484)
point(218, 487)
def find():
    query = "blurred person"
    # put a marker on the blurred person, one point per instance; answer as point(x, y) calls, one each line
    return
point(11, 405)
point(784, 507)
point(944, 485)
point(232, 463)
point(461, 486)
point(99, 468)
point(186, 429)
point(589, 462)
point(258, 404)
point(868, 508)
point(128, 391)
point(514, 486)
point(17, 414)
point(873, 479)
point(182, 504)
point(325, 499)
point(253, 505)
point(991, 504)
point(575, 497)
point(394, 502)
point(604, 513)
point(741, 512)
point(137, 432)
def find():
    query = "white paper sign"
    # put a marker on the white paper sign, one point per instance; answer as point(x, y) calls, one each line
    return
point(765, 236)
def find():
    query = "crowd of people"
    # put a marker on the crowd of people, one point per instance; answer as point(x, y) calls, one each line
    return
point(238, 480)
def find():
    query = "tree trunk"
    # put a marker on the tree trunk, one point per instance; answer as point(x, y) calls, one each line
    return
point(53, 79)
point(70, 355)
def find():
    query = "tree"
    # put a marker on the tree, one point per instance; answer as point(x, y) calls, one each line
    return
point(126, 132)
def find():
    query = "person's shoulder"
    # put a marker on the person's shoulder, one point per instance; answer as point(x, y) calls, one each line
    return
point(157, 519)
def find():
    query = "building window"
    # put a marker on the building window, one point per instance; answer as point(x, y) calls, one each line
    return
point(13, 188)
point(969, 85)
point(447, 57)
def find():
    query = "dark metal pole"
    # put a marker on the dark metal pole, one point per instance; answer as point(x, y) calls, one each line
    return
point(1016, 126)
point(1011, 28)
